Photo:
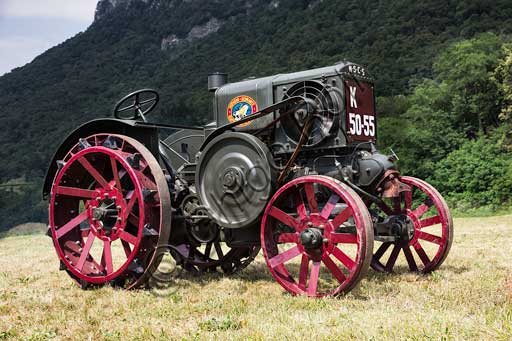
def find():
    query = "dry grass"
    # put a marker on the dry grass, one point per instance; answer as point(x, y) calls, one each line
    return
point(468, 298)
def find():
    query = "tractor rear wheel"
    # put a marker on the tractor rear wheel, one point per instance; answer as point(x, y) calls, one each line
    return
point(109, 211)
point(430, 216)
point(317, 237)
point(213, 256)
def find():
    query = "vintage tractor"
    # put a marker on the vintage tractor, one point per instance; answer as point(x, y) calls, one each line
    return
point(288, 165)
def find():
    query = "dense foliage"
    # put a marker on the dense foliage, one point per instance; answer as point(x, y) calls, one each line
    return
point(455, 131)
point(465, 97)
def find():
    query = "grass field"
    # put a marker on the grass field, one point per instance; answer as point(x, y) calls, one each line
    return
point(470, 297)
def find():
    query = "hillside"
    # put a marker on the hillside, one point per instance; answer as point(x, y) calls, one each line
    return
point(468, 298)
point(171, 45)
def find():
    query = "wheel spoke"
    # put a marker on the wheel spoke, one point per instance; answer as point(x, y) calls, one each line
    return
point(304, 269)
point(341, 217)
point(301, 208)
point(381, 250)
point(392, 258)
point(71, 224)
point(94, 172)
point(423, 256)
point(85, 251)
point(410, 258)
point(408, 199)
point(130, 205)
point(128, 107)
point(74, 192)
point(310, 195)
point(284, 257)
point(218, 250)
point(285, 218)
point(429, 237)
point(343, 258)
point(115, 173)
point(334, 269)
point(126, 247)
point(346, 238)
point(329, 206)
point(107, 256)
point(147, 100)
point(430, 221)
point(313, 278)
point(128, 237)
point(422, 209)
point(208, 250)
point(288, 238)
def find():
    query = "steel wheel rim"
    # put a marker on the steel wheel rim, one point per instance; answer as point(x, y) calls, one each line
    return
point(414, 246)
point(139, 249)
point(308, 281)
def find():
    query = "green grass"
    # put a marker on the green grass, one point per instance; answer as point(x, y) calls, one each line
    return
point(470, 297)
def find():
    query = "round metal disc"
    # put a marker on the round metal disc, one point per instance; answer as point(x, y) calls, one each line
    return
point(234, 179)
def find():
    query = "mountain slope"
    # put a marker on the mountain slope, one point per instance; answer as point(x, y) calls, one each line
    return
point(171, 45)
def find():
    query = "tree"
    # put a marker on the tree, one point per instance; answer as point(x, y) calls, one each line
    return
point(466, 69)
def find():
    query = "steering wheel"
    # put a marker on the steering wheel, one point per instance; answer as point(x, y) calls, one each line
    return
point(137, 104)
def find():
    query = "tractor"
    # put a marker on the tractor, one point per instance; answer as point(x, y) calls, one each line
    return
point(288, 165)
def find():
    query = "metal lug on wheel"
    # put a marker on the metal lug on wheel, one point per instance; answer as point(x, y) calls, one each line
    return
point(134, 160)
point(149, 195)
point(149, 231)
point(60, 164)
point(110, 143)
point(83, 144)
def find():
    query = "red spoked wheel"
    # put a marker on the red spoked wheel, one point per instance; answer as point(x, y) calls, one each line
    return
point(317, 236)
point(109, 211)
point(431, 224)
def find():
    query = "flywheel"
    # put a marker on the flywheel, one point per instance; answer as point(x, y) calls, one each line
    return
point(234, 179)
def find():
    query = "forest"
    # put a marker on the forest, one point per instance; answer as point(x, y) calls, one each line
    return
point(443, 73)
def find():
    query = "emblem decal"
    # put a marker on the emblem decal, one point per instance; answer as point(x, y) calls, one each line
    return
point(241, 107)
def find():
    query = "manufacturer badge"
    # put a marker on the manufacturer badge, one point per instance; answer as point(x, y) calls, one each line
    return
point(240, 107)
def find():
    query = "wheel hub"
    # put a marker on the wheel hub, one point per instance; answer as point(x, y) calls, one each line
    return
point(402, 226)
point(106, 213)
point(311, 238)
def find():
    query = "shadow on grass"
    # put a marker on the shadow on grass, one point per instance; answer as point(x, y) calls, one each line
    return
point(258, 272)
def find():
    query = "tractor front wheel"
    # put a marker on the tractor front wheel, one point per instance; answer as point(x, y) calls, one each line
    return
point(317, 237)
point(432, 228)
